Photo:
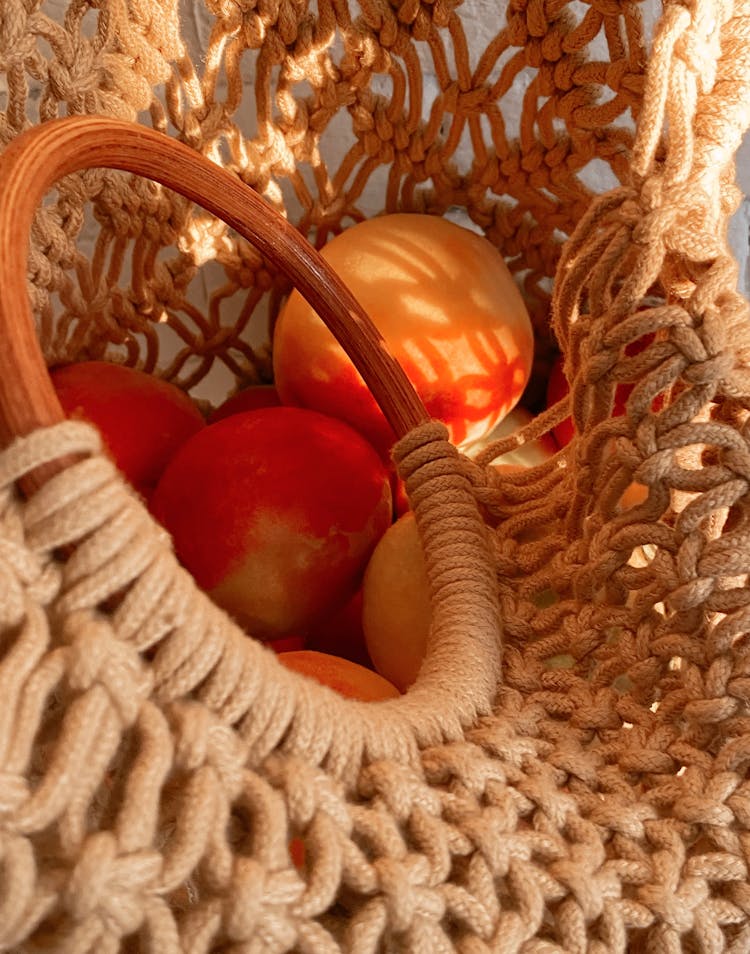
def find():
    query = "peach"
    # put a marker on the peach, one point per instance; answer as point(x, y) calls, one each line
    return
point(143, 420)
point(251, 399)
point(275, 513)
point(346, 677)
point(340, 634)
point(449, 310)
point(287, 644)
point(633, 496)
point(400, 500)
point(396, 608)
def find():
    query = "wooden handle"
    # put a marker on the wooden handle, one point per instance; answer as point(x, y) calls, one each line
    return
point(46, 153)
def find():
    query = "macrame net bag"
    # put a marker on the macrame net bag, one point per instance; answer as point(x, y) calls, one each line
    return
point(567, 774)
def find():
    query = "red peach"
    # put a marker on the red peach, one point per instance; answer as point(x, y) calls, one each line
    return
point(251, 399)
point(275, 513)
point(297, 852)
point(287, 644)
point(400, 500)
point(343, 675)
point(143, 419)
point(340, 634)
point(449, 310)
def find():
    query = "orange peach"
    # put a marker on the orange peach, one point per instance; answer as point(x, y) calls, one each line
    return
point(346, 677)
point(275, 513)
point(251, 399)
point(143, 420)
point(449, 310)
point(396, 608)
point(633, 496)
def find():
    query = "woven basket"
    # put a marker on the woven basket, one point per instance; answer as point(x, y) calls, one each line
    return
point(562, 779)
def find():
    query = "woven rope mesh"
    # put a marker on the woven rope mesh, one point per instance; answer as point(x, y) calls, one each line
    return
point(154, 762)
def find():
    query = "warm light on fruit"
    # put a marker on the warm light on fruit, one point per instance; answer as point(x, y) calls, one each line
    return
point(449, 310)
point(396, 608)
point(275, 513)
point(143, 420)
point(346, 677)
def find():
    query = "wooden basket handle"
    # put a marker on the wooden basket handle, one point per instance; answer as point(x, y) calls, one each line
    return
point(460, 673)
point(34, 161)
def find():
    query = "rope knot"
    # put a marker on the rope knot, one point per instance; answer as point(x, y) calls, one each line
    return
point(97, 656)
point(111, 887)
point(405, 892)
point(251, 899)
point(712, 370)
point(14, 791)
point(422, 447)
point(23, 576)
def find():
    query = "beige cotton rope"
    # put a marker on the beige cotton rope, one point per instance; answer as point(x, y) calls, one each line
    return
point(570, 776)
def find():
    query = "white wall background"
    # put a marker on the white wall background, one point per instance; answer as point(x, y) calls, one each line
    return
point(739, 231)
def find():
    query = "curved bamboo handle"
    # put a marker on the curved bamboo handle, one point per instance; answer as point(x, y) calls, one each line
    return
point(46, 153)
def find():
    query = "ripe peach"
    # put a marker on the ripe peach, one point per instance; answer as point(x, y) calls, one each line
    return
point(275, 513)
point(143, 420)
point(449, 310)
point(396, 608)
point(633, 496)
point(287, 644)
point(346, 677)
point(400, 500)
point(251, 399)
point(340, 634)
